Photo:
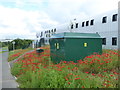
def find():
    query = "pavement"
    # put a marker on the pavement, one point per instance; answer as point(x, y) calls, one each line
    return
point(6, 78)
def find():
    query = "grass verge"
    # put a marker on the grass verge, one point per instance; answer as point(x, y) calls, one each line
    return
point(16, 53)
point(35, 70)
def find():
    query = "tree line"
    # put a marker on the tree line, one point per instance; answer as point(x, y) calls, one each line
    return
point(19, 44)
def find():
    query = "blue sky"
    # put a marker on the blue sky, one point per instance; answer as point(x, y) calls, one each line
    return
point(23, 18)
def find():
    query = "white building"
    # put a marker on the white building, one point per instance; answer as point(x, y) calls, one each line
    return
point(105, 24)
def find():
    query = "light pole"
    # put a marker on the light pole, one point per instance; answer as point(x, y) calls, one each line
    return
point(13, 45)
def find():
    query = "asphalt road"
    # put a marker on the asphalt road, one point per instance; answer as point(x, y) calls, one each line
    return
point(6, 79)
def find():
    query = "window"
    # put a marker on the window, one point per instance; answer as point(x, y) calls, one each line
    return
point(114, 41)
point(87, 23)
point(104, 41)
point(55, 30)
point(92, 22)
point(72, 26)
point(41, 34)
point(83, 24)
point(49, 31)
point(104, 20)
point(52, 30)
point(114, 18)
point(76, 25)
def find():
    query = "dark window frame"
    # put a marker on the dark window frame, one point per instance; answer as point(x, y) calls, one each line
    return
point(83, 24)
point(104, 19)
point(72, 26)
point(87, 23)
point(77, 25)
point(55, 30)
point(92, 22)
point(41, 34)
point(103, 41)
point(49, 31)
point(114, 41)
point(114, 17)
point(52, 30)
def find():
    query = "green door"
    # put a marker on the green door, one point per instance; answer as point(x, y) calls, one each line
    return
point(57, 50)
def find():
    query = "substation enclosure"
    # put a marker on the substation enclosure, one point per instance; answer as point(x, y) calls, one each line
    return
point(69, 46)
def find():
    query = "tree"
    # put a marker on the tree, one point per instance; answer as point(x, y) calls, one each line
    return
point(20, 44)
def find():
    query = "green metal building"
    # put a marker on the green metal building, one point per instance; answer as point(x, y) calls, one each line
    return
point(69, 46)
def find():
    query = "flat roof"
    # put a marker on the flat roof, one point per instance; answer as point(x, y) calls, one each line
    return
point(75, 35)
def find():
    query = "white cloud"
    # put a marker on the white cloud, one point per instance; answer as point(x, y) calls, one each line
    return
point(14, 21)
point(17, 20)
point(64, 10)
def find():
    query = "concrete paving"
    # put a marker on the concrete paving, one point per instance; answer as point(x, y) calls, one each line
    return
point(7, 81)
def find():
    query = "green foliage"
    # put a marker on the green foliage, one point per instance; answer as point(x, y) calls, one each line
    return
point(33, 71)
point(3, 44)
point(19, 44)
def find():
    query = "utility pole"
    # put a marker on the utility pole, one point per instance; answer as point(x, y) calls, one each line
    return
point(13, 45)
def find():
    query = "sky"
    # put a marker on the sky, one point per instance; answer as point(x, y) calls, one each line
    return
point(23, 18)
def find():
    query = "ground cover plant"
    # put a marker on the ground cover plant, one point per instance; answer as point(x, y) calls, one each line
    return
point(35, 70)
point(16, 53)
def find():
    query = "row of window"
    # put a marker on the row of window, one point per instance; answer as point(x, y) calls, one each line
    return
point(46, 32)
point(104, 20)
point(87, 23)
point(114, 41)
point(49, 31)
point(83, 24)
point(114, 18)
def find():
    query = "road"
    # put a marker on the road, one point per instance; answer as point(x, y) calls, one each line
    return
point(6, 79)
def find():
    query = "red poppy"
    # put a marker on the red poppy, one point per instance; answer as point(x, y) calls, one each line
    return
point(70, 74)
point(115, 73)
point(101, 63)
point(68, 67)
point(91, 62)
point(111, 75)
point(68, 82)
point(66, 78)
point(89, 57)
point(107, 62)
point(83, 87)
point(77, 78)
point(93, 74)
point(86, 72)
point(64, 62)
